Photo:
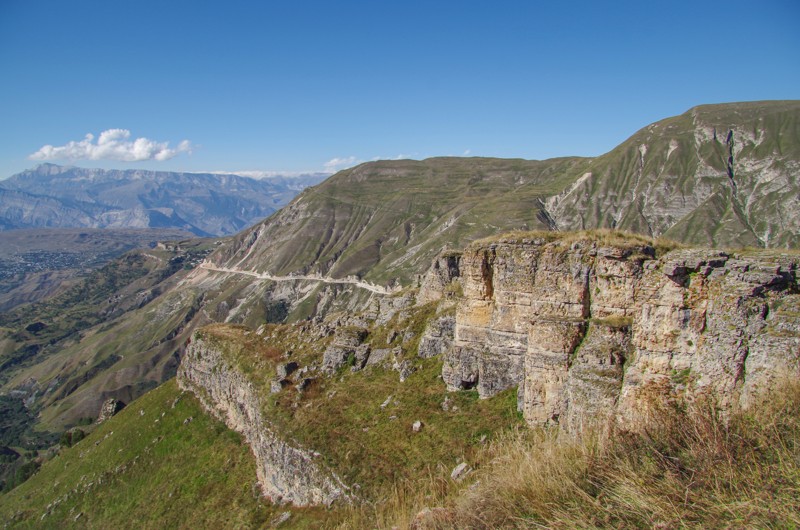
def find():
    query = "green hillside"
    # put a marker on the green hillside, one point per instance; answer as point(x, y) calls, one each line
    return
point(384, 221)
point(98, 335)
point(718, 175)
point(147, 467)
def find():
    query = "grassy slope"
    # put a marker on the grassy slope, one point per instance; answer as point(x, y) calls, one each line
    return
point(148, 470)
point(690, 468)
point(156, 471)
point(105, 294)
point(386, 220)
point(411, 223)
point(108, 337)
point(679, 186)
point(144, 471)
point(101, 335)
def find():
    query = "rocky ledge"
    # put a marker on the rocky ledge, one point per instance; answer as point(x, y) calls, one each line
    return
point(589, 330)
point(286, 472)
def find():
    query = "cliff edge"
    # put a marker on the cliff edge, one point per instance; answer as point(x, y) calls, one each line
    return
point(286, 472)
point(594, 327)
point(585, 329)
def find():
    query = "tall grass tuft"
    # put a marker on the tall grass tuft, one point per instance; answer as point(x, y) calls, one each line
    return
point(689, 466)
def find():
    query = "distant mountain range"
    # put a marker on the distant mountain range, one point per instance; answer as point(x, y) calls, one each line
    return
point(205, 204)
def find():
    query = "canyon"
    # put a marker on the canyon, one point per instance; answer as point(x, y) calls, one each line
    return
point(394, 321)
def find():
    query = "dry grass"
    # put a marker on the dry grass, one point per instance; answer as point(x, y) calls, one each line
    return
point(690, 466)
point(602, 236)
point(398, 508)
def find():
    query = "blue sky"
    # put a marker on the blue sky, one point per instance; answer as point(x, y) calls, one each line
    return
point(297, 86)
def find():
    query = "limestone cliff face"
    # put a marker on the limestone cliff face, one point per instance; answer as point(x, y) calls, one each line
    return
point(588, 330)
point(286, 472)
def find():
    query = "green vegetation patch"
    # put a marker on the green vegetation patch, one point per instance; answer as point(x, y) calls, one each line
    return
point(363, 424)
point(362, 421)
point(159, 463)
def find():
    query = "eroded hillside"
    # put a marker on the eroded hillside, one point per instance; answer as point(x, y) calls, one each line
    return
point(581, 330)
point(717, 175)
point(375, 228)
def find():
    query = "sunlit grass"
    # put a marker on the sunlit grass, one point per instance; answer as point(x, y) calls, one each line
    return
point(691, 466)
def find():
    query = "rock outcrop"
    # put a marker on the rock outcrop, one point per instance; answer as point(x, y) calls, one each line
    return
point(588, 329)
point(437, 337)
point(286, 472)
point(346, 347)
point(110, 407)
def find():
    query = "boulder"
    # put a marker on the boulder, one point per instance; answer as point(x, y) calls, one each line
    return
point(110, 407)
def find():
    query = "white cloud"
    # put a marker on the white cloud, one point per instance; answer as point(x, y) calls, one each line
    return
point(112, 144)
point(337, 164)
point(401, 156)
point(260, 174)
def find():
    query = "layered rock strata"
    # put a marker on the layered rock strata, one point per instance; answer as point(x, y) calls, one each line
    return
point(286, 472)
point(437, 338)
point(588, 330)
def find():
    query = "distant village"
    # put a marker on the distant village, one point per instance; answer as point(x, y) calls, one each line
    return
point(44, 260)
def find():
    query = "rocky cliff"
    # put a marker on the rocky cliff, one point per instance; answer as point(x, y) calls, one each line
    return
point(588, 327)
point(592, 328)
point(286, 472)
point(717, 175)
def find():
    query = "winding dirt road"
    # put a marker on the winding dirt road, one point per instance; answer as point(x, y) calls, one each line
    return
point(323, 279)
